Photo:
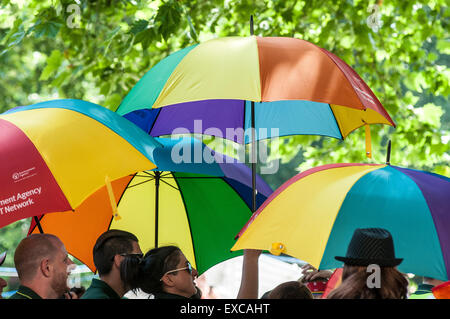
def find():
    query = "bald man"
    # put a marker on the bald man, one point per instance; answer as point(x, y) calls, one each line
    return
point(43, 266)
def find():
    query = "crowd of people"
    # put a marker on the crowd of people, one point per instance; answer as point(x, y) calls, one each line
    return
point(43, 266)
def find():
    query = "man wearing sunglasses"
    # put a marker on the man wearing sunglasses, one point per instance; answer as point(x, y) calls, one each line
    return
point(109, 251)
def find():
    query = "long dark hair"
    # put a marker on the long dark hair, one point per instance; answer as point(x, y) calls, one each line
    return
point(393, 284)
point(145, 273)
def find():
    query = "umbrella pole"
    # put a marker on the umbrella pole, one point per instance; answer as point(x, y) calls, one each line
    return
point(388, 155)
point(157, 179)
point(38, 223)
point(254, 157)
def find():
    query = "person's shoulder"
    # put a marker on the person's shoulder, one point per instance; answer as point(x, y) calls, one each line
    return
point(94, 293)
point(99, 290)
point(25, 293)
point(17, 296)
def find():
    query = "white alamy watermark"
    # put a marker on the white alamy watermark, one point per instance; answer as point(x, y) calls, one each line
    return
point(374, 279)
point(73, 19)
point(182, 153)
point(374, 20)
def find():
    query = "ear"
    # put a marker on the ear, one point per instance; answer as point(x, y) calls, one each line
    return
point(117, 261)
point(45, 267)
point(167, 280)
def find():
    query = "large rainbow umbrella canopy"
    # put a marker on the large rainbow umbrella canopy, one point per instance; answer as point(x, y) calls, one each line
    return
point(54, 154)
point(297, 87)
point(313, 216)
point(196, 199)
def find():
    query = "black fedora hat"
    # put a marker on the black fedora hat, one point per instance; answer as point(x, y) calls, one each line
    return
point(371, 246)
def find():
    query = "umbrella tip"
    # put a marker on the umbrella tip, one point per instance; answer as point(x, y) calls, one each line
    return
point(251, 25)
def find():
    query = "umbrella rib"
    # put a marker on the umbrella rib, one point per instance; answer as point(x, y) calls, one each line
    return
point(335, 120)
point(169, 185)
point(166, 174)
point(198, 177)
point(147, 173)
point(154, 122)
point(140, 183)
point(194, 250)
point(146, 176)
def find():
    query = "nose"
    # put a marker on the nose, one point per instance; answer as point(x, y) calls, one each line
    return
point(194, 273)
point(71, 267)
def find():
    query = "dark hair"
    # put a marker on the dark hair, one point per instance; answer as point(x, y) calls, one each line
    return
point(109, 244)
point(290, 290)
point(145, 273)
point(393, 284)
point(266, 294)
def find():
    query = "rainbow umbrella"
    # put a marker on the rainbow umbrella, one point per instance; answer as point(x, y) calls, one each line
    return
point(196, 199)
point(277, 86)
point(297, 87)
point(314, 214)
point(54, 154)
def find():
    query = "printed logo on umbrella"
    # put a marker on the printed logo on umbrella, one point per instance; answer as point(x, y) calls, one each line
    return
point(18, 176)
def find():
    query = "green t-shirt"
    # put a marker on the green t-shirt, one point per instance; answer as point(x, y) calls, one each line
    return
point(100, 290)
point(25, 293)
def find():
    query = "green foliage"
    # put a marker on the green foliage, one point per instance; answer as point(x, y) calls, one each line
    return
point(10, 236)
point(99, 53)
point(54, 61)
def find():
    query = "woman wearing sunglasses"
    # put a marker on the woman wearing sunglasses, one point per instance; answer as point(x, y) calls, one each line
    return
point(163, 272)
